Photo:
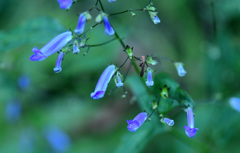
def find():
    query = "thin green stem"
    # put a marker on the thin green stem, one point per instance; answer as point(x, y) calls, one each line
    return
point(129, 10)
point(96, 45)
point(100, 2)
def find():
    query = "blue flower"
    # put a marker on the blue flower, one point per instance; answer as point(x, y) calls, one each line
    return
point(156, 20)
point(118, 80)
point(23, 82)
point(134, 124)
point(58, 67)
point(190, 130)
point(235, 103)
point(13, 111)
point(180, 69)
point(52, 47)
point(76, 49)
point(58, 140)
point(81, 24)
point(168, 121)
point(149, 81)
point(65, 4)
point(108, 28)
point(103, 82)
point(111, 1)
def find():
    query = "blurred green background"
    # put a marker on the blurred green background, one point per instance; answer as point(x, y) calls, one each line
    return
point(44, 112)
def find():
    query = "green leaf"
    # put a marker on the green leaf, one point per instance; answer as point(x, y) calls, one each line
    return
point(38, 30)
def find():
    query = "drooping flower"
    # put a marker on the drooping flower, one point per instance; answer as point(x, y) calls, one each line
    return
point(235, 103)
point(134, 124)
point(118, 80)
point(108, 28)
point(168, 121)
point(58, 67)
point(65, 4)
point(190, 130)
point(51, 47)
point(180, 69)
point(151, 61)
point(154, 17)
point(81, 24)
point(103, 81)
point(149, 81)
point(76, 49)
point(57, 139)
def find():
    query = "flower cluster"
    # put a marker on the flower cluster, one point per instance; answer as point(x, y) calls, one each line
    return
point(72, 41)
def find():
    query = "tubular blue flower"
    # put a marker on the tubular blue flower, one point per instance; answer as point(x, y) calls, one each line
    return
point(134, 124)
point(168, 121)
point(65, 4)
point(190, 130)
point(58, 67)
point(52, 47)
point(156, 20)
point(149, 81)
point(118, 80)
point(180, 69)
point(103, 81)
point(108, 28)
point(58, 140)
point(76, 49)
point(235, 103)
point(119, 83)
point(24, 82)
point(81, 24)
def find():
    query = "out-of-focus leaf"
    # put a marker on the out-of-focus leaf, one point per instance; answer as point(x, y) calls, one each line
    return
point(38, 30)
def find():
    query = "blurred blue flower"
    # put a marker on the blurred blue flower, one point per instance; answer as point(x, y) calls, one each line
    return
point(149, 81)
point(58, 67)
point(108, 28)
point(53, 46)
point(23, 82)
point(103, 82)
point(235, 103)
point(168, 121)
point(180, 69)
point(58, 140)
point(190, 130)
point(65, 4)
point(81, 24)
point(134, 124)
point(111, 1)
point(13, 111)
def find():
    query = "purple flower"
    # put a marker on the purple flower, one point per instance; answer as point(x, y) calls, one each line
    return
point(149, 81)
point(103, 82)
point(53, 46)
point(58, 140)
point(134, 124)
point(81, 24)
point(58, 68)
point(65, 4)
point(235, 103)
point(168, 121)
point(190, 130)
point(108, 28)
